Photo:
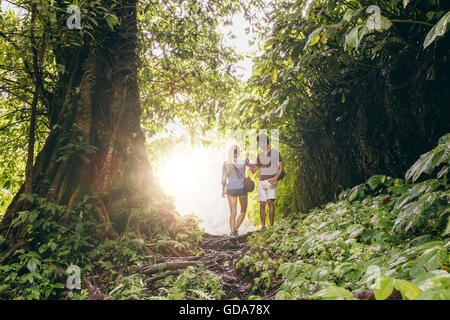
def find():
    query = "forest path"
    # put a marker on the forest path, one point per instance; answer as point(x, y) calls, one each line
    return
point(220, 253)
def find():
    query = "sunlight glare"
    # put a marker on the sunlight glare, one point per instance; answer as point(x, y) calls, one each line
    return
point(192, 176)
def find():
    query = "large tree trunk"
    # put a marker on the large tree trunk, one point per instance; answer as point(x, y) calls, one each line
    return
point(103, 113)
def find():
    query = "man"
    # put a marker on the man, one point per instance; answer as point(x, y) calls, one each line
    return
point(270, 164)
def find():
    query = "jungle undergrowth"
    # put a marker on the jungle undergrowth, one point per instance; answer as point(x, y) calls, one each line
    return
point(384, 234)
point(38, 270)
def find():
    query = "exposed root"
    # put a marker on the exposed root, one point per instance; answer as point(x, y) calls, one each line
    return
point(104, 218)
point(168, 266)
point(70, 203)
point(220, 254)
point(161, 276)
point(94, 292)
point(370, 295)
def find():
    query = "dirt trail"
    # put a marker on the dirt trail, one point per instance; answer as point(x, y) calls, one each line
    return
point(220, 254)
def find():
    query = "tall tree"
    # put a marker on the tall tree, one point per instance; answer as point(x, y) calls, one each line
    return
point(95, 146)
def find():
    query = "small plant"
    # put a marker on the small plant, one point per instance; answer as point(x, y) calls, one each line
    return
point(194, 282)
point(262, 268)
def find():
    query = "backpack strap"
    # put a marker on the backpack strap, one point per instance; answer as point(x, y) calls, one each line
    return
point(237, 170)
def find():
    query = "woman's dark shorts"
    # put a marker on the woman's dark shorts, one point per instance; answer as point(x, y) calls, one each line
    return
point(236, 192)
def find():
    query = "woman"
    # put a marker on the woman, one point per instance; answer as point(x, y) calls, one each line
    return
point(233, 175)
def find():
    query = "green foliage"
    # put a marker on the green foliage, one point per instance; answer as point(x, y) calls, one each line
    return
point(384, 234)
point(332, 78)
point(439, 29)
point(333, 293)
point(384, 286)
point(130, 288)
point(38, 271)
point(431, 160)
point(193, 282)
point(170, 229)
point(187, 73)
point(262, 268)
point(75, 149)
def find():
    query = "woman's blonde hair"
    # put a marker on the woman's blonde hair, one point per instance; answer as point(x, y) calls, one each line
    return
point(233, 154)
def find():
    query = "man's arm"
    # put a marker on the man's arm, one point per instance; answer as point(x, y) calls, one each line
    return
point(280, 170)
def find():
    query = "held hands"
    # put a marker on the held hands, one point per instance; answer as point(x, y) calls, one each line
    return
point(252, 167)
point(223, 194)
point(272, 180)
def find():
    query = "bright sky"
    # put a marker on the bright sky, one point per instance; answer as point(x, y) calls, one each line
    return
point(6, 6)
point(236, 36)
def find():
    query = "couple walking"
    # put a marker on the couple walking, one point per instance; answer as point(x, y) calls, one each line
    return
point(271, 168)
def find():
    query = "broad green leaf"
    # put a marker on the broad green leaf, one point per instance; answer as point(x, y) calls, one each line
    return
point(355, 230)
point(375, 181)
point(274, 75)
point(372, 273)
point(435, 294)
point(383, 287)
point(378, 22)
point(438, 30)
point(354, 37)
point(282, 295)
point(447, 229)
point(32, 264)
point(355, 192)
point(351, 39)
point(408, 289)
point(333, 292)
point(434, 279)
point(349, 14)
point(313, 38)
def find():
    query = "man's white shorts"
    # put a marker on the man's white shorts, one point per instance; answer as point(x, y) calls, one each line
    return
point(266, 190)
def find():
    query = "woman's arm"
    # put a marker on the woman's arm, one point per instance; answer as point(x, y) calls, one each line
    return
point(223, 191)
point(252, 166)
point(224, 179)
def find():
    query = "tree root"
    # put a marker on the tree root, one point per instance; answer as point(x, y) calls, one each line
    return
point(370, 295)
point(94, 292)
point(160, 276)
point(168, 266)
